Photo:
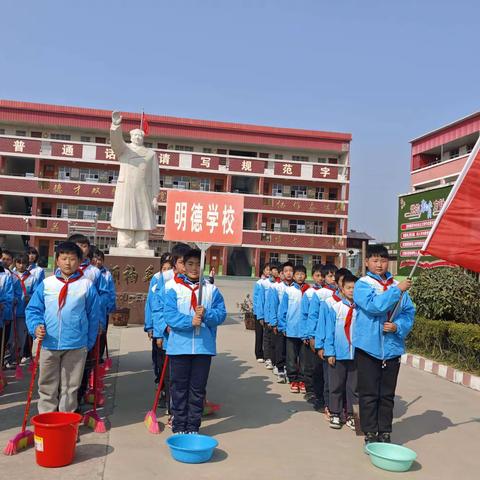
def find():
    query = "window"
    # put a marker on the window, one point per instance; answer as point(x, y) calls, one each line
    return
point(2, 131)
point(331, 259)
point(185, 148)
point(100, 140)
point(20, 133)
point(331, 228)
point(332, 160)
point(85, 139)
point(454, 153)
point(162, 145)
point(299, 158)
point(275, 225)
point(316, 259)
point(222, 161)
point(277, 190)
point(320, 193)
point(278, 156)
point(332, 193)
point(318, 227)
point(205, 184)
point(207, 150)
point(36, 134)
point(295, 259)
point(298, 191)
point(274, 257)
point(264, 155)
point(296, 226)
point(60, 136)
point(221, 151)
point(148, 144)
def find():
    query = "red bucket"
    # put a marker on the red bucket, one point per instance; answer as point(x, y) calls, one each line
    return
point(55, 438)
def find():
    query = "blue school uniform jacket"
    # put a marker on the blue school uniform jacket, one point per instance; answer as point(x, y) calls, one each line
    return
point(275, 296)
point(37, 272)
point(307, 299)
point(374, 305)
point(258, 299)
point(95, 276)
point(268, 284)
point(184, 338)
point(159, 322)
point(290, 311)
point(76, 324)
point(30, 283)
point(110, 284)
point(6, 296)
point(322, 314)
point(157, 282)
point(336, 342)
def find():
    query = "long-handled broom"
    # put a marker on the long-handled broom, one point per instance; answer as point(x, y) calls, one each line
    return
point(24, 439)
point(151, 421)
point(3, 378)
point(91, 418)
point(108, 360)
point(18, 369)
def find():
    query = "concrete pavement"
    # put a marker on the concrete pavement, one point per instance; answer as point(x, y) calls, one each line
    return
point(263, 430)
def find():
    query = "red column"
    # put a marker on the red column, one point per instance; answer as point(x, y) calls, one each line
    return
point(256, 256)
point(37, 167)
point(261, 184)
point(224, 260)
point(3, 162)
point(228, 184)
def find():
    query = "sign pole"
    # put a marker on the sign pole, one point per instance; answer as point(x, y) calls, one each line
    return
point(203, 249)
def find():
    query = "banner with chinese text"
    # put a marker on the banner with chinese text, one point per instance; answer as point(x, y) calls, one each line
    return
point(194, 216)
point(416, 215)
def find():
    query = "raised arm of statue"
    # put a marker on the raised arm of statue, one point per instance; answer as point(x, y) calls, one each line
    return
point(116, 137)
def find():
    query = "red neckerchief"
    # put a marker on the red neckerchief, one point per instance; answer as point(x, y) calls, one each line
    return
point(384, 283)
point(62, 297)
point(193, 298)
point(22, 279)
point(348, 322)
point(330, 287)
point(304, 287)
point(278, 280)
point(336, 297)
point(83, 266)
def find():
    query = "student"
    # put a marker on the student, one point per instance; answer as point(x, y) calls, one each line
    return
point(290, 325)
point(379, 342)
point(26, 284)
point(191, 342)
point(64, 313)
point(258, 305)
point(313, 373)
point(268, 335)
point(6, 304)
point(173, 260)
point(275, 295)
point(342, 374)
point(98, 261)
point(33, 267)
point(7, 260)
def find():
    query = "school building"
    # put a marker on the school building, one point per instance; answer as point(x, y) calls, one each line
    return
point(437, 159)
point(58, 176)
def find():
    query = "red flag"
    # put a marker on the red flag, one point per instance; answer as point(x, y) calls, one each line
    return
point(144, 124)
point(455, 235)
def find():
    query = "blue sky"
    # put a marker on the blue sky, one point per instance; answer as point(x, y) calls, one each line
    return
point(386, 71)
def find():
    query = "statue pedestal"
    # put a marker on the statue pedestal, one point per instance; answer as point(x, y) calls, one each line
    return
point(132, 277)
point(131, 252)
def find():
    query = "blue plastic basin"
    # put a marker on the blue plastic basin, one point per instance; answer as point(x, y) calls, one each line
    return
point(191, 448)
point(389, 456)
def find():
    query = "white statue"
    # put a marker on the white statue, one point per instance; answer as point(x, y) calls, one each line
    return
point(138, 185)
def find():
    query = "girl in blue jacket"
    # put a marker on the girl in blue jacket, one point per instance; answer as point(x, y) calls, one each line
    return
point(191, 342)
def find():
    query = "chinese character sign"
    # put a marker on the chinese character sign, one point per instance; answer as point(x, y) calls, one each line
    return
point(288, 169)
point(67, 150)
point(205, 162)
point(20, 145)
point(204, 217)
point(246, 166)
point(324, 171)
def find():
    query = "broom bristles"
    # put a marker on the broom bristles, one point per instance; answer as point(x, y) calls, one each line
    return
point(21, 441)
point(92, 420)
point(151, 422)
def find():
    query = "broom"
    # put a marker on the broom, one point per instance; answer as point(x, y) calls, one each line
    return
point(3, 378)
point(91, 418)
point(108, 360)
point(24, 439)
point(18, 369)
point(151, 421)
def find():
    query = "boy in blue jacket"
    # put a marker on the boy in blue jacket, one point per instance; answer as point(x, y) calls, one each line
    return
point(258, 306)
point(290, 325)
point(342, 374)
point(64, 312)
point(379, 341)
point(268, 335)
point(191, 342)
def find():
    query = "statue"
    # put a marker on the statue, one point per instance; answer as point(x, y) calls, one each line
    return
point(138, 185)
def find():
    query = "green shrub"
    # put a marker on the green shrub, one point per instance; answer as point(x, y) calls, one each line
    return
point(455, 343)
point(447, 294)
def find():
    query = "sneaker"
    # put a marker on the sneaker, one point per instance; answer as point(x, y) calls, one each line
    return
point(275, 371)
point(370, 437)
point(335, 422)
point(179, 433)
point(294, 387)
point(268, 365)
point(23, 361)
point(301, 386)
point(192, 433)
point(350, 423)
point(281, 378)
point(260, 360)
point(384, 437)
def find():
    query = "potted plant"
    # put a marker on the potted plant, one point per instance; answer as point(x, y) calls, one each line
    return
point(246, 308)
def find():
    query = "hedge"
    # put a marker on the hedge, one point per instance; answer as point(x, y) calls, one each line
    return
point(457, 344)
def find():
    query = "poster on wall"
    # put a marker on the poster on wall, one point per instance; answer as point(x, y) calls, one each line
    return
point(416, 216)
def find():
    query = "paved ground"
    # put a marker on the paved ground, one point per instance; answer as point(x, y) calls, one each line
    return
point(263, 430)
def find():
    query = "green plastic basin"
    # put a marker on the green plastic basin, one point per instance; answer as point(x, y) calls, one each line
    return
point(389, 456)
